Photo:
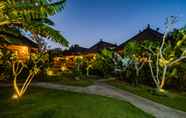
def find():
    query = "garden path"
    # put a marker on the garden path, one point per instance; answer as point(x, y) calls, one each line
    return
point(103, 89)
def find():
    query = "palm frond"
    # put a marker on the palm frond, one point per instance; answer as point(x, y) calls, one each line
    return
point(46, 21)
point(46, 31)
point(32, 16)
point(28, 10)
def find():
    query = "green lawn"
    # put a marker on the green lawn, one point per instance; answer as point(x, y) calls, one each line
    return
point(45, 103)
point(174, 100)
point(68, 80)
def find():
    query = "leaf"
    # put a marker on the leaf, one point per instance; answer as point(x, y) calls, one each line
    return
point(173, 73)
point(178, 44)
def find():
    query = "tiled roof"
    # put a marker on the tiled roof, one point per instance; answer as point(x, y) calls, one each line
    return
point(101, 45)
point(19, 40)
point(75, 50)
point(147, 34)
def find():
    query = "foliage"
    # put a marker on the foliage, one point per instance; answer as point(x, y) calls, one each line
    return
point(31, 16)
point(78, 68)
point(104, 63)
point(136, 55)
point(178, 77)
point(34, 66)
point(167, 55)
point(20, 16)
point(4, 63)
point(10, 60)
point(174, 99)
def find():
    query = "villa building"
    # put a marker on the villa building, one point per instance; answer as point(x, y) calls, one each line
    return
point(65, 59)
point(21, 46)
point(92, 51)
point(145, 35)
point(68, 57)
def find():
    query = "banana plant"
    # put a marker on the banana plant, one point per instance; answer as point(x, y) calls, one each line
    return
point(30, 16)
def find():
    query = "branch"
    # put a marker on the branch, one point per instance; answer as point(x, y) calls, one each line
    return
point(141, 66)
point(136, 66)
point(157, 67)
point(177, 60)
point(149, 49)
point(153, 76)
point(20, 70)
point(13, 68)
point(161, 47)
point(25, 83)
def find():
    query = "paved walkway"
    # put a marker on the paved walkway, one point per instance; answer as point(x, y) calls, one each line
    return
point(158, 110)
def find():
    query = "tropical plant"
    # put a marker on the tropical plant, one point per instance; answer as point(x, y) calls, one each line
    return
point(33, 66)
point(31, 16)
point(20, 16)
point(78, 70)
point(136, 54)
point(5, 66)
point(88, 64)
point(104, 63)
point(168, 54)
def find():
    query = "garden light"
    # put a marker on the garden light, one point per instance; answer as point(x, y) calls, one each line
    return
point(14, 96)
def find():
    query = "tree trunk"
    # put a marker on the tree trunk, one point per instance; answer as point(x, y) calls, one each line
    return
point(137, 75)
point(16, 88)
point(163, 78)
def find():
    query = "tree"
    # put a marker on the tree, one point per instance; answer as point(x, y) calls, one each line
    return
point(168, 54)
point(34, 66)
point(18, 16)
point(136, 54)
point(78, 66)
point(87, 64)
point(104, 62)
point(31, 16)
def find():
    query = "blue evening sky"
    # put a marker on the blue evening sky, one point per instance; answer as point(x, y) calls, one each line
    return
point(85, 22)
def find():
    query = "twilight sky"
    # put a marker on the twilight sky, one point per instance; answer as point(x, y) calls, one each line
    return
point(85, 22)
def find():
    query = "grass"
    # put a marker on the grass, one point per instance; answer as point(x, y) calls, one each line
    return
point(69, 80)
point(45, 103)
point(174, 99)
point(65, 79)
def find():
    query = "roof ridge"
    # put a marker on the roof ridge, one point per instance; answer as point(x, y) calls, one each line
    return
point(149, 29)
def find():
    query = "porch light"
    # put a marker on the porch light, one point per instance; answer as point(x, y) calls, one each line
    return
point(63, 68)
